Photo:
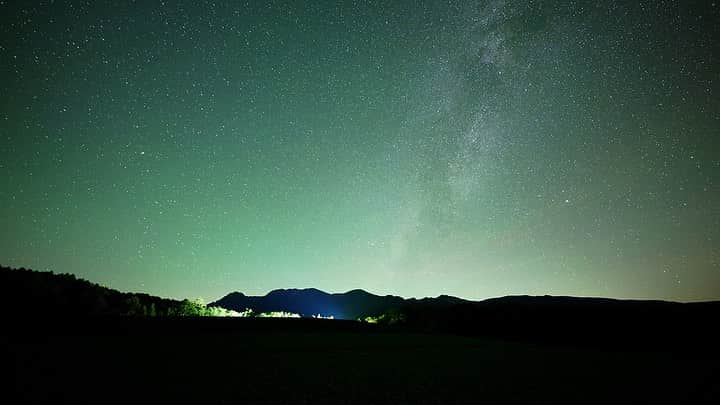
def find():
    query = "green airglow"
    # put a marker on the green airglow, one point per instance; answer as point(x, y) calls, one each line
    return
point(413, 148)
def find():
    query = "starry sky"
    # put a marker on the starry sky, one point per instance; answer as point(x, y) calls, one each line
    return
point(416, 148)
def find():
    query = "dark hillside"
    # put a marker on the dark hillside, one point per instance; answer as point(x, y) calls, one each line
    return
point(48, 295)
point(575, 320)
point(72, 341)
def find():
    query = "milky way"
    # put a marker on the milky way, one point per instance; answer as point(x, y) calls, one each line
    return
point(414, 148)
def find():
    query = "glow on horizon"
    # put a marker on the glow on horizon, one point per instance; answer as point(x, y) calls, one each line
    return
point(474, 149)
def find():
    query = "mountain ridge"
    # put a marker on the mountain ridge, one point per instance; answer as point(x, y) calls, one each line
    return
point(557, 319)
point(358, 303)
point(353, 291)
point(353, 304)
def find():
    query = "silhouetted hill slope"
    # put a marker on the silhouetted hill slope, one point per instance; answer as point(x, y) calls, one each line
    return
point(572, 320)
point(537, 318)
point(46, 294)
point(557, 319)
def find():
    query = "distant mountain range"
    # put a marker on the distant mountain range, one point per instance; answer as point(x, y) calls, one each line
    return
point(601, 321)
point(354, 304)
point(36, 295)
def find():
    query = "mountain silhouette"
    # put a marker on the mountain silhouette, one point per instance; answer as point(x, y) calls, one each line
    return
point(308, 302)
point(559, 319)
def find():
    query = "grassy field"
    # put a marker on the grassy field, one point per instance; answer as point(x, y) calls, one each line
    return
point(279, 362)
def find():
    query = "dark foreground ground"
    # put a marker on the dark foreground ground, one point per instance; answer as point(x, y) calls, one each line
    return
point(238, 361)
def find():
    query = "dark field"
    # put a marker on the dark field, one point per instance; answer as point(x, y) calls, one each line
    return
point(236, 361)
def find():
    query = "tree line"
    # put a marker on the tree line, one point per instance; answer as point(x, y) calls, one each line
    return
point(44, 293)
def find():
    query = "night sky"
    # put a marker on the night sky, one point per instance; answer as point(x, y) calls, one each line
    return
point(416, 148)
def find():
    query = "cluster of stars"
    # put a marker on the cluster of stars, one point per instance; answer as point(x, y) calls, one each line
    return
point(473, 149)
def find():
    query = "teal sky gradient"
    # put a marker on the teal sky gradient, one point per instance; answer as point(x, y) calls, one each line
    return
point(478, 149)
